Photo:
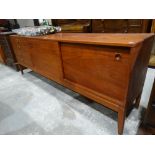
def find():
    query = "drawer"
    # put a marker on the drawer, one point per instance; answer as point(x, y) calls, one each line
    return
point(137, 29)
point(31, 44)
point(110, 25)
point(99, 68)
point(40, 55)
point(22, 51)
point(16, 47)
point(97, 26)
point(23, 43)
point(2, 38)
point(135, 22)
point(46, 58)
point(3, 42)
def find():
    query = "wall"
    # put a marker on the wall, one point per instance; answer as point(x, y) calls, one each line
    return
point(29, 22)
point(11, 21)
point(49, 21)
point(25, 22)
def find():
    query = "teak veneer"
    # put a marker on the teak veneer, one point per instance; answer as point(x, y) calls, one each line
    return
point(107, 68)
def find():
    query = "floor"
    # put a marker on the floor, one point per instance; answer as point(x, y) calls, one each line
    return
point(32, 104)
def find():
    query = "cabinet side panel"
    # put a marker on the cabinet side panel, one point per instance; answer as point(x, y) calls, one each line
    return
point(141, 55)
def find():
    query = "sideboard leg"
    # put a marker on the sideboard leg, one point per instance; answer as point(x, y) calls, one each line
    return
point(21, 69)
point(121, 120)
point(138, 101)
point(17, 67)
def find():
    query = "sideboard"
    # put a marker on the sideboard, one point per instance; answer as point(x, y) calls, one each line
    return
point(107, 68)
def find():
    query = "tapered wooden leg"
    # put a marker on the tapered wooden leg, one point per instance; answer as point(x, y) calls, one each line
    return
point(21, 69)
point(138, 101)
point(121, 119)
point(17, 67)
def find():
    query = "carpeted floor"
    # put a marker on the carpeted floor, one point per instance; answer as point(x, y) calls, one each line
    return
point(31, 104)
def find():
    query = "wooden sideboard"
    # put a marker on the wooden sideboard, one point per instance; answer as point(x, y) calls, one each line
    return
point(107, 68)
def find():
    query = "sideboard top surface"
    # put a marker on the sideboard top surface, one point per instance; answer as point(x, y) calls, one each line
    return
point(111, 39)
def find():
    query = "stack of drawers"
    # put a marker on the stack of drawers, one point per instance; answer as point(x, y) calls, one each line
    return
point(120, 26)
point(10, 59)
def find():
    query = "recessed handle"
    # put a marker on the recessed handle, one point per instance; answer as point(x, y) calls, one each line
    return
point(118, 56)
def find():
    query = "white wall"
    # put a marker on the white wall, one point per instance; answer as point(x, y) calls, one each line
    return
point(25, 22)
point(11, 21)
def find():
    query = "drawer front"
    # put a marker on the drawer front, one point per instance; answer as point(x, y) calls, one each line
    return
point(25, 52)
point(99, 68)
point(110, 26)
point(15, 46)
point(97, 26)
point(136, 22)
point(117, 26)
point(2, 39)
point(42, 56)
point(46, 58)
point(22, 51)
